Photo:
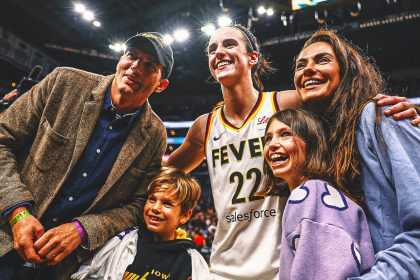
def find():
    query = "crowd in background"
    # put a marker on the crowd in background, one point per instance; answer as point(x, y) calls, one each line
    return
point(202, 225)
point(189, 111)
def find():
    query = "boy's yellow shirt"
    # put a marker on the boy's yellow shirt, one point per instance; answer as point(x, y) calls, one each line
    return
point(181, 234)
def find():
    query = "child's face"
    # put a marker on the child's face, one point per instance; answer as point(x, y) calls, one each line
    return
point(162, 215)
point(285, 153)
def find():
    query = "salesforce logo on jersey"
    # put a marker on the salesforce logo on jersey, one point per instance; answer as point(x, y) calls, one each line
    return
point(248, 216)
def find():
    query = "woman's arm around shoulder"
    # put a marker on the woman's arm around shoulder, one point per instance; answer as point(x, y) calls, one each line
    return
point(287, 99)
point(190, 154)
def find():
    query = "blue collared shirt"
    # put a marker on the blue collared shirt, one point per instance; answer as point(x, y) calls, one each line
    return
point(93, 167)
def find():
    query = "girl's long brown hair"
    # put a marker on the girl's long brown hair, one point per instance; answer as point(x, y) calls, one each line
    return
point(360, 82)
point(310, 129)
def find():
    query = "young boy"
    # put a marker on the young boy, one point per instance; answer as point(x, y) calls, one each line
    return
point(156, 249)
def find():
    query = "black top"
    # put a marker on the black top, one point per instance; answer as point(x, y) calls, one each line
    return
point(164, 261)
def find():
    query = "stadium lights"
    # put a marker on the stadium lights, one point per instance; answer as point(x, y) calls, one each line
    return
point(208, 29)
point(88, 15)
point(79, 8)
point(261, 10)
point(390, 20)
point(268, 11)
point(168, 39)
point(224, 21)
point(181, 35)
point(117, 47)
point(283, 18)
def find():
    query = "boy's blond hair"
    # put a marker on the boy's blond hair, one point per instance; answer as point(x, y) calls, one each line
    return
point(184, 189)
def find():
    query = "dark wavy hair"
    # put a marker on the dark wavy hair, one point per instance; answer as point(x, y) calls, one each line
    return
point(309, 128)
point(360, 82)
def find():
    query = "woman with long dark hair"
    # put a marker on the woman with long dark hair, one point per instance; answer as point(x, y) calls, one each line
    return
point(374, 158)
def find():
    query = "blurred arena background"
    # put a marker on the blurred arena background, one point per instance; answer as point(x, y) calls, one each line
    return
point(88, 35)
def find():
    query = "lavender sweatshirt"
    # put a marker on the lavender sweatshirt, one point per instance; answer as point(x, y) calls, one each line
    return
point(325, 235)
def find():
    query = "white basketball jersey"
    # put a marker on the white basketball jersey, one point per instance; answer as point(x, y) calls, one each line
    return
point(247, 240)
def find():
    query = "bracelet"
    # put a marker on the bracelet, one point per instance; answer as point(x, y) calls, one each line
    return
point(80, 229)
point(19, 217)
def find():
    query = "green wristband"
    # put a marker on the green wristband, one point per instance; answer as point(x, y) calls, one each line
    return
point(19, 217)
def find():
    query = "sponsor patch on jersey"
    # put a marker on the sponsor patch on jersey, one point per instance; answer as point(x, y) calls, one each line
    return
point(249, 216)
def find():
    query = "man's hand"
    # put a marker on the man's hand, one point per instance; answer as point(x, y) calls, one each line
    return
point(25, 232)
point(9, 97)
point(401, 109)
point(57, 243)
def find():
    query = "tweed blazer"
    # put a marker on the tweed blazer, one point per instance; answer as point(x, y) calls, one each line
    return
point(42, 136)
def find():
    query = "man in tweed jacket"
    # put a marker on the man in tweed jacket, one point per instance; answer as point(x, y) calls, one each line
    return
point(78, 151)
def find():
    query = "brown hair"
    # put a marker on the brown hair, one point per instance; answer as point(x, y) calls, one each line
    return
point(263, 67)
point(360, 82)
point(184, 189)
point(307, 127)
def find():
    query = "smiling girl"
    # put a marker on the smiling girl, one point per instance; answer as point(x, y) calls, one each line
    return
point(324, 233)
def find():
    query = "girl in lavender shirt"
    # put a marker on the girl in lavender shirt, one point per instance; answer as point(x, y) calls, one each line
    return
point(324, 233)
